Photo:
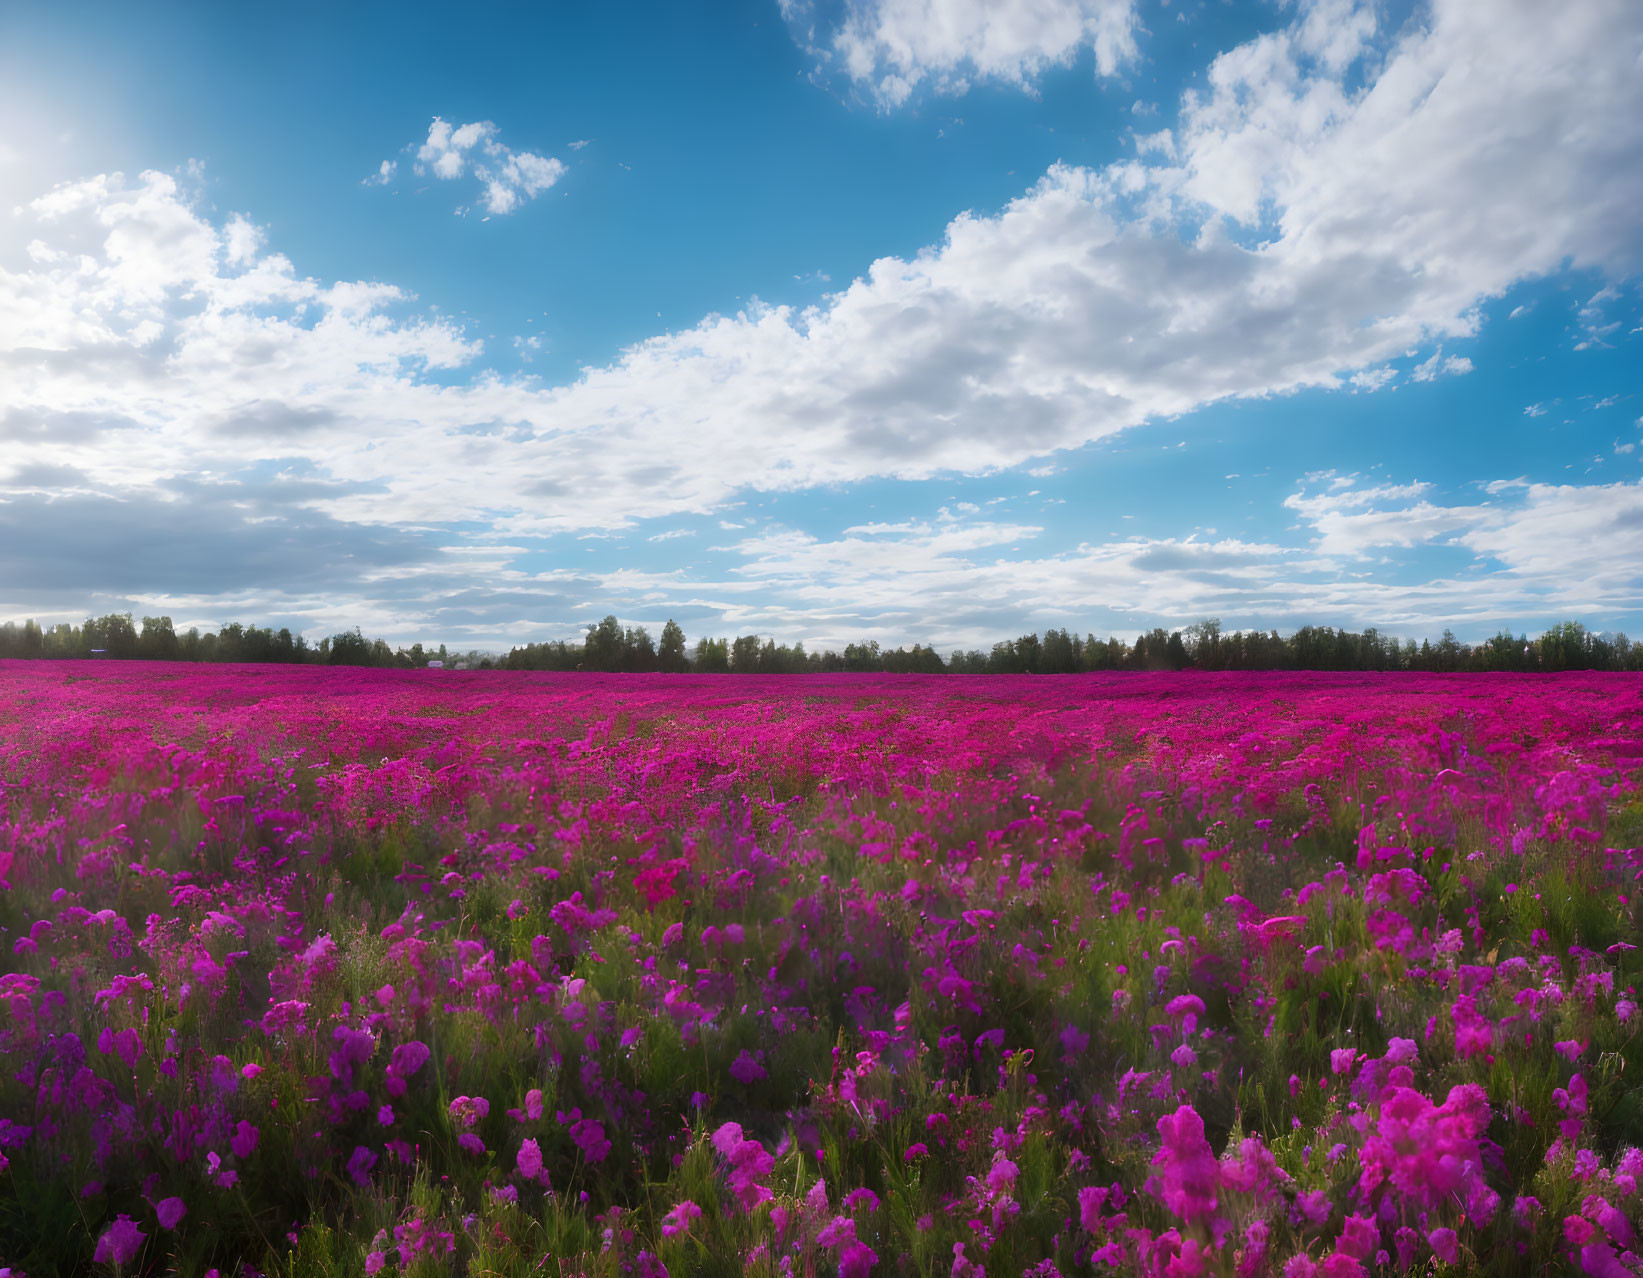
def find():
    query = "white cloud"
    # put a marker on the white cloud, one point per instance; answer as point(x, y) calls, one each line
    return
point(1567, 547)
point(1437, 366)
point(1547, 551)
point(507, 178)
point(1315, 217)
point(445, 153)
point(1535, 410)
point(1095, 301)
point(888, 48)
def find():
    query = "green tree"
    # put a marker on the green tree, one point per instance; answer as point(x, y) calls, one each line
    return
point(603, 649)
point(350, 648)
point(744, 654)
point(670, 655)
point(712, 656)
point(158, 641)
point(638, 651)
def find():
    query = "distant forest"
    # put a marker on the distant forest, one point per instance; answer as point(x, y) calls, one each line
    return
point(609, 646)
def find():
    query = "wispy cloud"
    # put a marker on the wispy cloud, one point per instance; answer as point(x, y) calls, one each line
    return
point(1437, 366)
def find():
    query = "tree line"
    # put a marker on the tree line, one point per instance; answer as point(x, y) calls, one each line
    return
point(118, 637)
point(610, 646)
point(1204, 645)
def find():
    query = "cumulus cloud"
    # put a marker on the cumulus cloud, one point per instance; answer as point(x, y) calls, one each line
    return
point(1331, 199)
point(888, 48)
point(507, 178)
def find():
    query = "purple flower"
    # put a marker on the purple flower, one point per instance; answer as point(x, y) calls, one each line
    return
point(529, 1162)
point(590, 1139)
point(244, 1140)
point(360, 1164)
point(407, 1059)
point(128, 1045)
point(171, 1212)
point(745, 1070)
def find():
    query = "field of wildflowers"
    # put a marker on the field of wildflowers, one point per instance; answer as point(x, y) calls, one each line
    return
point(312, 971)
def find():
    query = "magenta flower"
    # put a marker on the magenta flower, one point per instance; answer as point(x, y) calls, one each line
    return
point(678, 1220)
point(749, 1164)
point(119, 1243)
point(590, 1139)
point(468, 1110)
point(406, 1060)
point(856, 1259)
point(128, 1045)
point(244, 1140)
point(170, 1212)
point(529, 1161)
point(1427, 1152)
point(1359, 1237)
point(1001, 1176)
point(745, 1070)
point(1190, 1175)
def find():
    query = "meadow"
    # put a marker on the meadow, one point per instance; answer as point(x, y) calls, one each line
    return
point(343, 971)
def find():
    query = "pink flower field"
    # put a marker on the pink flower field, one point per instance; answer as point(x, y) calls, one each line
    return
point(335, 971)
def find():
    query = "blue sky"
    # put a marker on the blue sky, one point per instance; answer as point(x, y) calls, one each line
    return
point(923, 320)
